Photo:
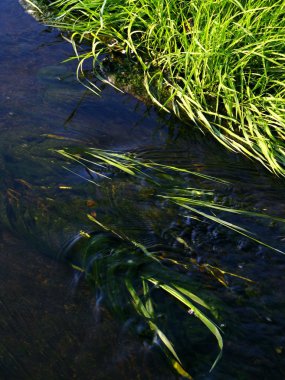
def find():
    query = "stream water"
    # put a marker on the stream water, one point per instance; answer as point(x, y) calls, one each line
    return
point(51, 324)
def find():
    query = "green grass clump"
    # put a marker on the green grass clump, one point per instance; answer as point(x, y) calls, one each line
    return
point(219, 64)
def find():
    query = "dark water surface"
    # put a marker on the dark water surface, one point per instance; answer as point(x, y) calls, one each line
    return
point(52, 329)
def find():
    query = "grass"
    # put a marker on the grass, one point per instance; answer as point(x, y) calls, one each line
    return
point(130, 273)
point(132, 277)
point(169, 183)
point(219, 64)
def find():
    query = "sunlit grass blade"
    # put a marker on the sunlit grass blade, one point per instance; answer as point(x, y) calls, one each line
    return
point(192, 308)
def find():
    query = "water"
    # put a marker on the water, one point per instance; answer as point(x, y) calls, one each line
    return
point(45, 318)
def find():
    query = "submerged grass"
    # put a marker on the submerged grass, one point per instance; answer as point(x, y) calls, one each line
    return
point(169, 183)
point(129, 273)
point(134, 277)
point(219, 64)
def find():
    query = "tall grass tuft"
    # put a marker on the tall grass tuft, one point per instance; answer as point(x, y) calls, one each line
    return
point(219, 64)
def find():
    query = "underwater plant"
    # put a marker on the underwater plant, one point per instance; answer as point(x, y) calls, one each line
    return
point(140, 278)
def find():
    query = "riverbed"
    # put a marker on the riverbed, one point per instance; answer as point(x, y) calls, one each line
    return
point(51, 323)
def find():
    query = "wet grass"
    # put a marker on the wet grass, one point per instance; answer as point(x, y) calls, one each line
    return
point(170, 183)
point(219, 64)
point(140, 278)
point(135, 282)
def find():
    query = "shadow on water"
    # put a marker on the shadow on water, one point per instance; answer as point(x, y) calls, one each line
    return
point(44, 318)
point(50, 331)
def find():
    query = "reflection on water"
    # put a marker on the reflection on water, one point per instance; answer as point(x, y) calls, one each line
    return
point(44, 108)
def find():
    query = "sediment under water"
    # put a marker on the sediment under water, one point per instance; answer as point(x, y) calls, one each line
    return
point(44, 316)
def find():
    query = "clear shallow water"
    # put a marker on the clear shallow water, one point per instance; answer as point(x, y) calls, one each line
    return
point(43, 108)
